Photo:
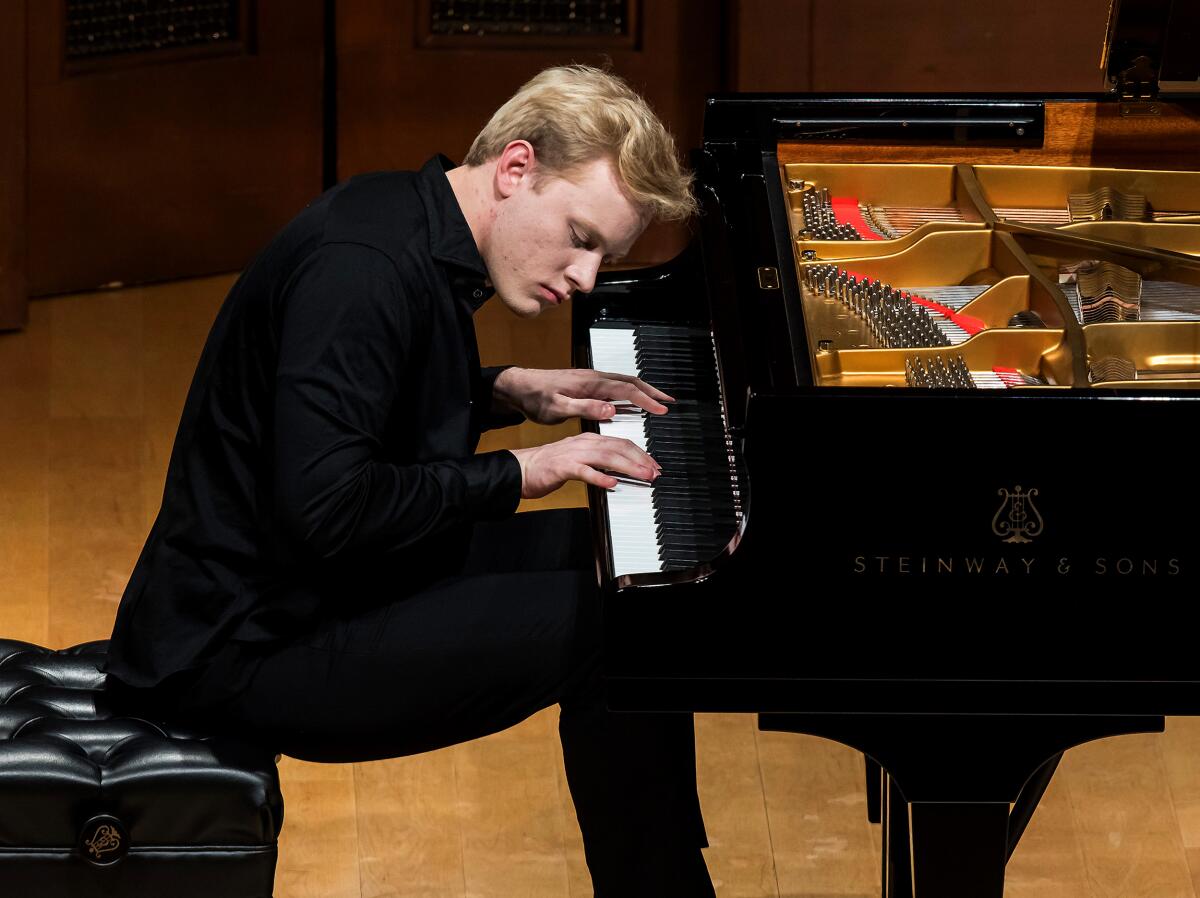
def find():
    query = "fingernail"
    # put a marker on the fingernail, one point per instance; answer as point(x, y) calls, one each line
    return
point(609, 410)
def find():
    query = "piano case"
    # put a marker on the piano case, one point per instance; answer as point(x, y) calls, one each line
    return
point(958, 346)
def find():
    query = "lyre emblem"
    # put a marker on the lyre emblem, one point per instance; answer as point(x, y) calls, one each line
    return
point(1022, 522)
point(104, 840)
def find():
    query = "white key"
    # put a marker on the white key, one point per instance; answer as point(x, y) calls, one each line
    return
point(631, 523)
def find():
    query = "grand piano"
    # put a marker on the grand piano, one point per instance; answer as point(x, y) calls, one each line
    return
point(929, 489)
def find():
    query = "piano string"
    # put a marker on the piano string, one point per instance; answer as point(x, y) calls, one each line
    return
point(826, 217)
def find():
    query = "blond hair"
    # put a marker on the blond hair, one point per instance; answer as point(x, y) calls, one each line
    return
point(574, 114)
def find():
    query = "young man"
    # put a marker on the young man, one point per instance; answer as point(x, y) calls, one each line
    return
point(334, 572)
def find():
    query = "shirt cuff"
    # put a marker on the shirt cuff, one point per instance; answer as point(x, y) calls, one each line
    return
point(493, 484)
point(495, 420)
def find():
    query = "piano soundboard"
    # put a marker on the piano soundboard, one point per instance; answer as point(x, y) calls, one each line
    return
point(977, 292)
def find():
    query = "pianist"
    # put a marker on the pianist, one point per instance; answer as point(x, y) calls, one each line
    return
point(333, 571)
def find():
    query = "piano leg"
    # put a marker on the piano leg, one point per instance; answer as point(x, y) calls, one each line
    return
point(958, 849)
point(874, 790)
point(1027, 801)
point(897, 870)
point(950, 781)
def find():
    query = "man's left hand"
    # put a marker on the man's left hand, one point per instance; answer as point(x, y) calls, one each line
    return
point(552, 396)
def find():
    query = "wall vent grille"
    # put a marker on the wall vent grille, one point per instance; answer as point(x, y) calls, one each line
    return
point(105, 28)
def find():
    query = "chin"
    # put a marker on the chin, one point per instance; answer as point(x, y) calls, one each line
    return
point(523, 306)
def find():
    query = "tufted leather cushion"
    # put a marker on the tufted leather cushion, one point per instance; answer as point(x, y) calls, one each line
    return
point(93, 803)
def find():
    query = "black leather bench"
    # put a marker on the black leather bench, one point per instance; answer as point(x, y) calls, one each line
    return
point(95, 803)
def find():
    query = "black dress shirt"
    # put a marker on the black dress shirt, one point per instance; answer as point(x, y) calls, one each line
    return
point(325, 454)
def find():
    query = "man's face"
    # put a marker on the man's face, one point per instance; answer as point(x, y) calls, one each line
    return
point(550, 235)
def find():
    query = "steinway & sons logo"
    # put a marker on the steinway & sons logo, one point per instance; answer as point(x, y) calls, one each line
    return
point(103, 840)
point(1022, 522)
point(1017, 522)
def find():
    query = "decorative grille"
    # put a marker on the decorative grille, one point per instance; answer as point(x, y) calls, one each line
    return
point(533, 18)
point(97, 28)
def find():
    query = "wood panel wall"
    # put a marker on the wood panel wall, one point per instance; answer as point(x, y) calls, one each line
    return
point(183, 167)
point(400, 102)
point(932, 46)
point(174, 167)
point(12, 165)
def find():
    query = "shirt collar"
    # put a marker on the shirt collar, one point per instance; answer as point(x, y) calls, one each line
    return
point(450, 237)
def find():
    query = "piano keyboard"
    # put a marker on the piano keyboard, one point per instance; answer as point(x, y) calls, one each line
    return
point(690, 512)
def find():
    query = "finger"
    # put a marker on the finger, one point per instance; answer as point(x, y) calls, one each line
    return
point(631, 481)
point(591, 409)
point(628, 449)
point(628, 460)
point(594, 445)
point(652, 391)
point(632, 393)
point(639, 456)
point(588, 474)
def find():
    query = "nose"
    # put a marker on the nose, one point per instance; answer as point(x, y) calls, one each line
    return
point(581, 274)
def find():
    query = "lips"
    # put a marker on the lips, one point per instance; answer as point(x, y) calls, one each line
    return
point(552, 295)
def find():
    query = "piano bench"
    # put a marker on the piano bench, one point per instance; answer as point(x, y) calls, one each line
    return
point(97, 804)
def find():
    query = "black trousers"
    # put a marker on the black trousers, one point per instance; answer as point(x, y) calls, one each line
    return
point(515, 630)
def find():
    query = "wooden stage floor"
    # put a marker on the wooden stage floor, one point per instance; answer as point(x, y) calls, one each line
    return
point(90, 395)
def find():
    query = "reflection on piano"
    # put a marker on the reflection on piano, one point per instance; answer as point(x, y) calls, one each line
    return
point(852, 554)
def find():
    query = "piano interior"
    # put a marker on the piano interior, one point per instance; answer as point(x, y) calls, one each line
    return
point(970, 276)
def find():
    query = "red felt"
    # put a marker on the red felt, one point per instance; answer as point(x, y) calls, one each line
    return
point(969, 323)
point(846, 211)
point(1010, 377)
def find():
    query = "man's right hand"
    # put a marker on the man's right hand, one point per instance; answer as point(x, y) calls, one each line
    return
point(584, 457)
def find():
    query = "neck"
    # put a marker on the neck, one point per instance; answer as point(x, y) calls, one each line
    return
point(472, 186)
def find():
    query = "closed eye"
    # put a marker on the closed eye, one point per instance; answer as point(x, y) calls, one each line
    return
point(581, 243)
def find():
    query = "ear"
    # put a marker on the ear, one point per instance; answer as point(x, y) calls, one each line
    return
point(514, 166)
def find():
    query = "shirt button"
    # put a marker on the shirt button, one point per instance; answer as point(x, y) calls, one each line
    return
point(478, 294)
